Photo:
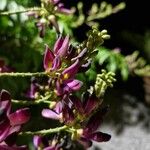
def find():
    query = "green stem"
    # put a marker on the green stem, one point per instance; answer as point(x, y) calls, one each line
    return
point(19, 11)
point(45, 132)
point(22, 74)
point(36, 102)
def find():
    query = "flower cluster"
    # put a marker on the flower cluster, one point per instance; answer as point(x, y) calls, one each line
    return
point(48, 14)
point(82, 116)
point(73, 104)
point(10, 123)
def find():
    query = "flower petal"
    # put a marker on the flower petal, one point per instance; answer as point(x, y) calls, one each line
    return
point(37, 141)
point(78, 105)
point(71, 71)
point(64, 47)
point(6, 147)
point(58, 44)
point(48, 58)
point(53, 20)
point(58, 107)
point(12, 135)
point(50, 148)
point(91, 103)
point(74, 84)
point(87, 64)
point(95, 121)
point(4, 95)
point(5, 107)
point(47, 113)
point(4, 129)
point(19, 117)
point(56, 63)
point(81, 55)
point(99, 137)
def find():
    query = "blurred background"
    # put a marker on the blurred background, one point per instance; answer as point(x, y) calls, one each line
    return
point(128, 120)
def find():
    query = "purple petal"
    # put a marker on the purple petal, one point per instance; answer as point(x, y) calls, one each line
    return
point(6, 147)
point(64, 47)
point(4, 129)
point(4, 95)
point(12, 135)
point(19, 117)
point(37, 140)
point(52, 20)
point(59, 88)
point(31, 92)
point(58, 107)
point(58, 44)
point(54, 1)
point(5, 107)
point(68, 114)
point(47, 113)
point(87, 64)
point(56, 63)
point(14, 129)
point(99, 137)
point(90, 105)
point(81, 55)
point(50, 148)
point(71, 71)
point(41, 27)
point(48, 58)
point(95, 121)
point(74, 84)
point(78, 105)
point(65, 11)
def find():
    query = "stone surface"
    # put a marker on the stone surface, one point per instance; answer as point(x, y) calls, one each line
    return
point(133, 138)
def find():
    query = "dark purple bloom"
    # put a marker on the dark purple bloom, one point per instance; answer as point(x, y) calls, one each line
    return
point(34, 88)
point(66, 83)
point(85, 107)
point(90, 132)
point(65, 115)
point(10, 123)
point(67, 86)
point(71, 71)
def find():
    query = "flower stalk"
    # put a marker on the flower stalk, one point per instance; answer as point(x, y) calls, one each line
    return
point(23, 74)
point(20, 11)
point(43, 100)
point(45, 132)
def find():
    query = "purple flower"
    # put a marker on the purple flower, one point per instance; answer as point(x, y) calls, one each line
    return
point(52, 59)
point(61, 112)
point(10, 123)
point(67, 83)
point(34, 88)
point(85, 107)
point(46, 17)
point(90, 133)
point(59, 7)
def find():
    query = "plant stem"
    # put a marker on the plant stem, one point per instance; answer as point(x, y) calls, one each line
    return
point(20, 11)
point(31, 102)
point(45, 132)
point(22, 74)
